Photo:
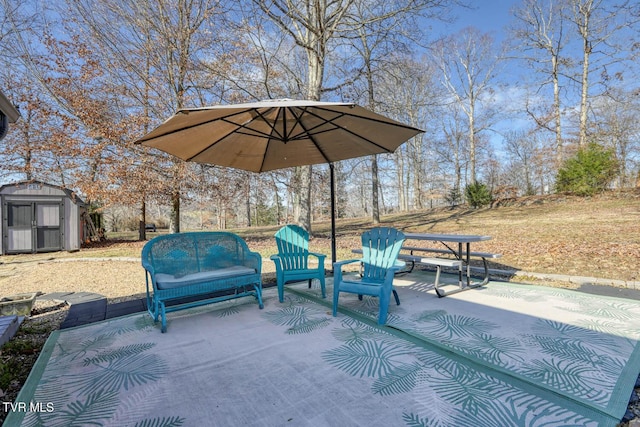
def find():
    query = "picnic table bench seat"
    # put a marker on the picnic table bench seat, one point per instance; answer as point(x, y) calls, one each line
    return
point(417, 259)
point(203, 267)
point(461, 258)
point(439, 262)
point(436, 262)
point(472, 254)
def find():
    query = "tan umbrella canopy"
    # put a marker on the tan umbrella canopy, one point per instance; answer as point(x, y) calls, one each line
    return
point(277, 134)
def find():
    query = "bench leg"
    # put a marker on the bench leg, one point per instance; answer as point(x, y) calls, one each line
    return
point(258, 289)
point(152, 308)
point(413, 265)
point(443, 293)
point(322, 286)
point(163, 315)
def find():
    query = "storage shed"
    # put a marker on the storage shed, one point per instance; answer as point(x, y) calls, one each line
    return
point(39, 217)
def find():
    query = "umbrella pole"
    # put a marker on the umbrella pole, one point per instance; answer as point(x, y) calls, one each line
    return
point(333, 214)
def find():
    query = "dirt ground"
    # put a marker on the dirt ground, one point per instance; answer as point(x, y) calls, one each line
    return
point(111, 278)
point(116, 279)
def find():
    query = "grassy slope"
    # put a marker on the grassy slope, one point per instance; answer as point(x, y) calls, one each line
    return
point(595, 237)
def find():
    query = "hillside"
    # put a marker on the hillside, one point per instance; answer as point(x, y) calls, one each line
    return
point(558, 234)
point(555, 234)
point(594, 237)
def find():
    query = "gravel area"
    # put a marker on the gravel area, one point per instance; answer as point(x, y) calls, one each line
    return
point(117, 279)
point(111, 278)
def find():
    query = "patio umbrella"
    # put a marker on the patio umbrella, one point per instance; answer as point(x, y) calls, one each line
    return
point(277, 134)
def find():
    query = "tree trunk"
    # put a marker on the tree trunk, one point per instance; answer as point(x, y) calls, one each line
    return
point(175, 211)
point(585, 93)
point(247, 195)
point(142, 232)
point(277, 201)
point(402, 193)
point(472, 143)
point(305, 173)
point(304, 198)
point(557, 114)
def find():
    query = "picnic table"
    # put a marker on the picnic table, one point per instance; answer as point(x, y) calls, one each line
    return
point(456, 245)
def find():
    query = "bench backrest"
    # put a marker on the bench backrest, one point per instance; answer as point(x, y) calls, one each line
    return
point(185, 253)
point(380, 249)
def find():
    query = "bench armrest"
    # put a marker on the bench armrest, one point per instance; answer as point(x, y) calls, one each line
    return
point(145, 257)
point(254, 260)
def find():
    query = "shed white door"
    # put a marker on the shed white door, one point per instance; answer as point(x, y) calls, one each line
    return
point(48, 231)
point(19, 227)
point(33, 227)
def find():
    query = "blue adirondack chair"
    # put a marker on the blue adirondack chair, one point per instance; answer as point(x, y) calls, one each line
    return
point(292, 260)
point(380, 248)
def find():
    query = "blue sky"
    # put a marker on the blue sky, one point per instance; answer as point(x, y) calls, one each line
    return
point(487, 15)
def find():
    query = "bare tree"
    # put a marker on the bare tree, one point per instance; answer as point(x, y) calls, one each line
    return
point(15, 18)
point(468, 62)
point(152, 49)
point(618, 128)
point(376, 31)
point(541, 26)
point(315, 25)
point(312, 24)
point(409, 92)
point(522, 149)
point(598, 22)
point(455, 149)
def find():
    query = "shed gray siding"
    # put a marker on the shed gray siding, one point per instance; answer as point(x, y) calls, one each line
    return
point(54, 212)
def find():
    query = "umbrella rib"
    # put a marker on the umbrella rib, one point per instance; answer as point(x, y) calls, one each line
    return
point(238, 130)
point(371, 119)
point(340, 115)
point(272, 125)
point(195, 125)
point(225, 118)
point(308, 131)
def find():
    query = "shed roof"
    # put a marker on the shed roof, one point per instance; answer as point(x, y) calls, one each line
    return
point(33, 186)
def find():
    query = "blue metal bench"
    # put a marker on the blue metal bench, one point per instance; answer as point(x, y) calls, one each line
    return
point(216, 266)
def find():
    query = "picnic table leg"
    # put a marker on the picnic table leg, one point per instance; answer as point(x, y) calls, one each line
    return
point(468, 265)
point(460, 268)
point(486, 272)
point(435, 285)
